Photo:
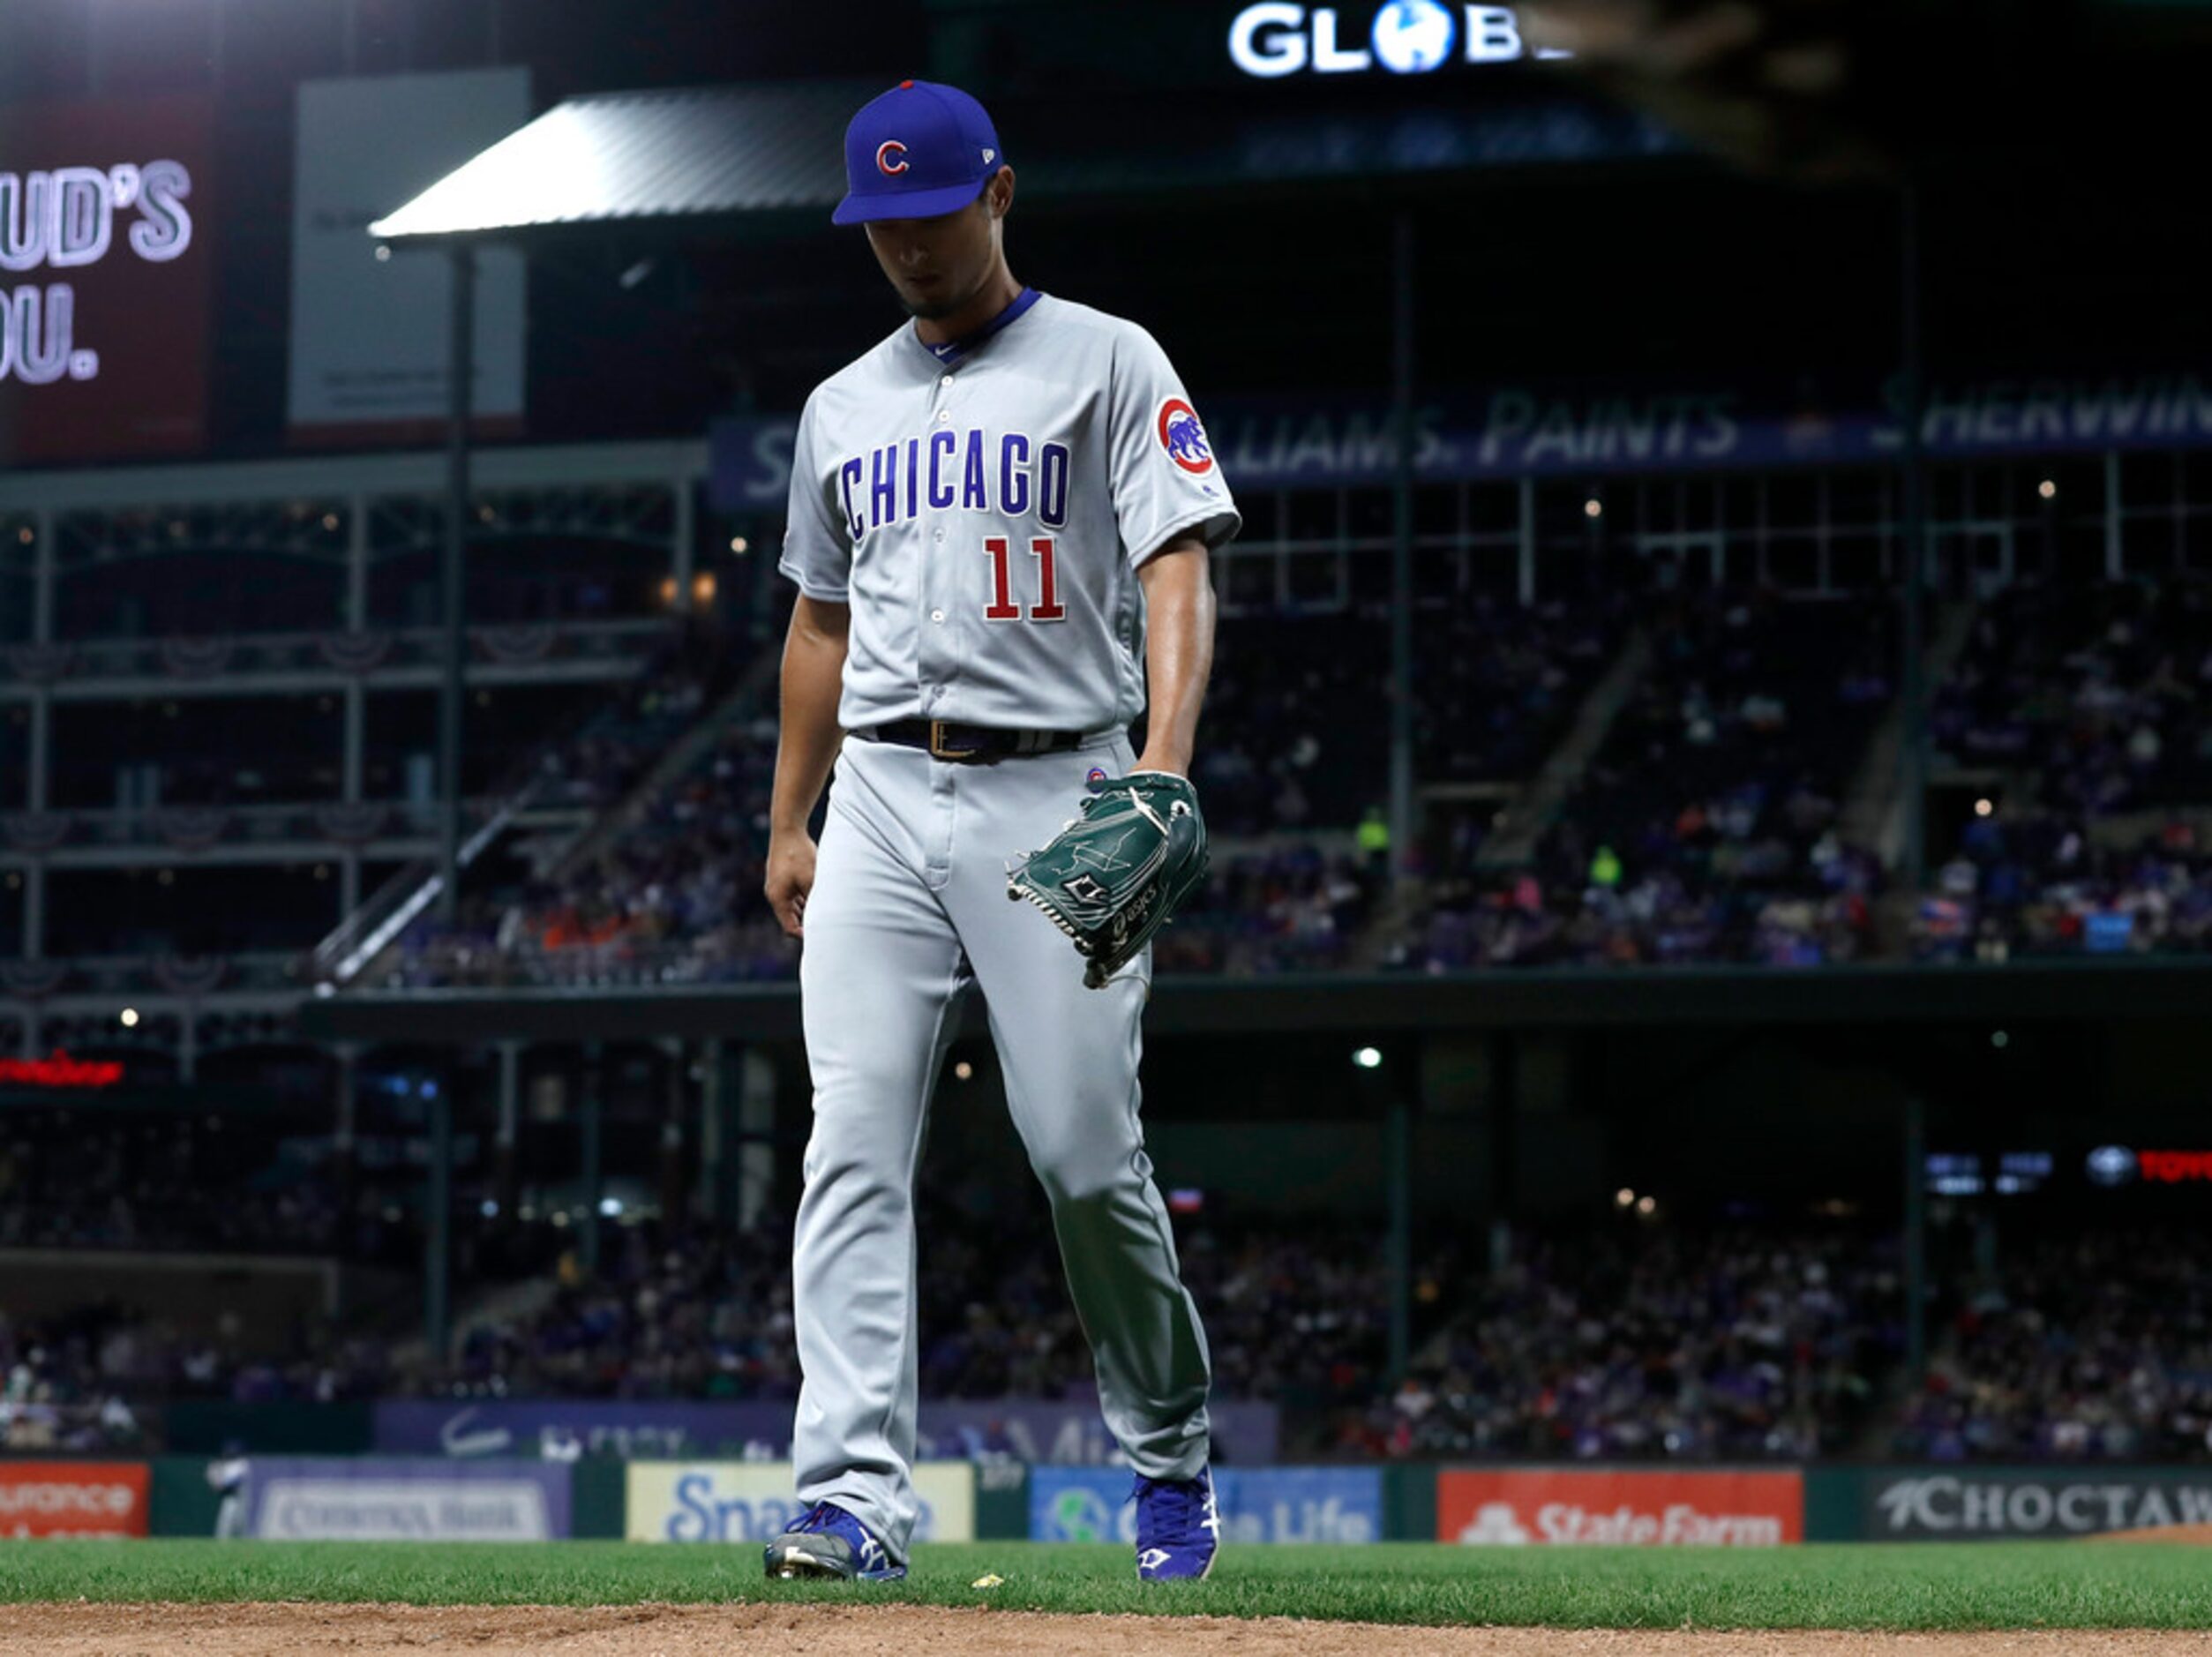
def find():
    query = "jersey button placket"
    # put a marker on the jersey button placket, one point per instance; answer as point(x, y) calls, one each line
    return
point(937, 673)
point(937, 651)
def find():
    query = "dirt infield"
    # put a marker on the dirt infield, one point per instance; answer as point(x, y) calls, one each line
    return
point(691, 1630)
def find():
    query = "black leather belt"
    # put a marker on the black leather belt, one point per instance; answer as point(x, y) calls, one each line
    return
point(970, 745)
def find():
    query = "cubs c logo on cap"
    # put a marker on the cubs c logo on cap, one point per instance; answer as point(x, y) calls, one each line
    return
point(1184, 439)
point(890, 158)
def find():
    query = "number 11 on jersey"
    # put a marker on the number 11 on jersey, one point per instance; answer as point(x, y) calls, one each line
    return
point(1002, 606)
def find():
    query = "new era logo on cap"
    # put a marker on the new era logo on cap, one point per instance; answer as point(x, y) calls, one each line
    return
point(912, 154)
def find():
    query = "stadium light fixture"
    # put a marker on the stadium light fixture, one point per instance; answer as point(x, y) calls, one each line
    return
point(2001, 1039)
point(1624, 1198)
point(1983, 808)
point(1647, 1206)
point(963, 1069)
point(2047, 490)
point(489, 1208)
point(611, 1207)
point(1593, 507)
point(130, 1018)
point(1367, 1057)
point(739, 545)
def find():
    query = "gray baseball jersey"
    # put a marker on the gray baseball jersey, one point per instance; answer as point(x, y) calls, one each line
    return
point(985, 519)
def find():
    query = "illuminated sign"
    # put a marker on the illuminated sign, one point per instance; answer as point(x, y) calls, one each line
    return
point(2117, 1165)
point(2174, 1167)
point(108, 209)
point(1954, 1173)
point(67, 219)
point(59, 1071)
point(1411, 37)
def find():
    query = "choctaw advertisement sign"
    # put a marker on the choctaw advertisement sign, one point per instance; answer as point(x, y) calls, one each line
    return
point(105, 278)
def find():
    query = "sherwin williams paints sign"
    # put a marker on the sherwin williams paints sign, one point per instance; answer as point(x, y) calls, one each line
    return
point(1526, 1506)
point(378, 1499)
point(1256, 1505)
point(73, 1498)
point(751, 1501)
point(1514, 431)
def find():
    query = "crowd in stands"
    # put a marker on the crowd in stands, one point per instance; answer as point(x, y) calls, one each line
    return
point(132, 1183)
point(1499, 682)
point(2096, 705)
point(1288, 907)
point(2037, 882)
point(1291, 1313)
point(669, 1314)
point(2101, 691)
point(2094, 1346)
point(672, 894)
point(693, 666)
point(1651, 1344)
point(1642, 1343)
point(1706, 828)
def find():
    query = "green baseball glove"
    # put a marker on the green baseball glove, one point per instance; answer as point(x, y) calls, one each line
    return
point(1112, 876)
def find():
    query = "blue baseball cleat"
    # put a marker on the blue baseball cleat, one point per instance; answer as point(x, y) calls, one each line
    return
point(826, 1543)
point(1178, 1530)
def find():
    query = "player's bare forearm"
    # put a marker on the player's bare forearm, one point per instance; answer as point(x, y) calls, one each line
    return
point(806, 746)
point(1178, 652)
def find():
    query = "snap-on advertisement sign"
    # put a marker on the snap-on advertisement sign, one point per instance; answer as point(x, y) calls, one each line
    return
point(73, 1498)
point(1530, 1506)
point(106, 278)
point(751, 1501)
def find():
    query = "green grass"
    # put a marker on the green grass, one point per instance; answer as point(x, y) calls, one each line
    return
point(2029, 1585)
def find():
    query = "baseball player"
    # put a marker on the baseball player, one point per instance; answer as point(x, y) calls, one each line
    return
point(999, 524)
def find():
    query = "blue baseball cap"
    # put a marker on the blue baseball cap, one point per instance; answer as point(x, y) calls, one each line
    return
point(919, 150)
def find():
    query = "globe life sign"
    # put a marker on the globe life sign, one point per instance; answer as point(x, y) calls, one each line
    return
point(1411, 37)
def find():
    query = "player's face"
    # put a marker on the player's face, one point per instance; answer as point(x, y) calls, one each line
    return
point(938, 265)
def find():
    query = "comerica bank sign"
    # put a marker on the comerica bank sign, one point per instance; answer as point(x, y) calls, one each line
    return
point(1411, 37)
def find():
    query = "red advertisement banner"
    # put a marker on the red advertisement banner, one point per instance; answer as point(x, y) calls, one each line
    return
point(73, 1498)
point(1537, 1505)
point(106, 278)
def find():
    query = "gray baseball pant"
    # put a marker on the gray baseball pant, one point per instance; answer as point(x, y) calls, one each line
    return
point(909, 899)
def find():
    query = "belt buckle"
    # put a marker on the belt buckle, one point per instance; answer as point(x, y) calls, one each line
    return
point(937, 749)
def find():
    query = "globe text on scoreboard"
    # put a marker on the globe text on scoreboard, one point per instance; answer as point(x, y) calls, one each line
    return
point(1410, 37)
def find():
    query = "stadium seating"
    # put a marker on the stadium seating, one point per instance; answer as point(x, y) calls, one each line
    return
point(1705, 828)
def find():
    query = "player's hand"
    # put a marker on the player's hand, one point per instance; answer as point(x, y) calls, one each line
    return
point(791, 877)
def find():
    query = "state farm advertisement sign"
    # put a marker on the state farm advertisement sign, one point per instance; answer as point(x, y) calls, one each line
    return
point(106, 275)
point(73, 1498)
point(1520, 1507)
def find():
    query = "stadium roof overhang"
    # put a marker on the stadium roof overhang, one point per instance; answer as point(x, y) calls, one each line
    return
point(705, 159)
